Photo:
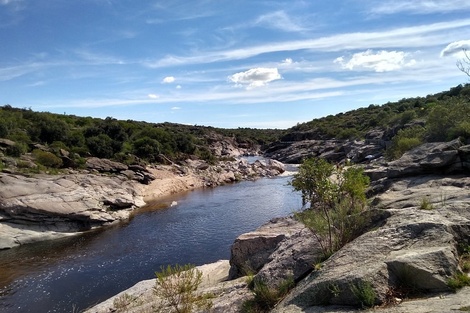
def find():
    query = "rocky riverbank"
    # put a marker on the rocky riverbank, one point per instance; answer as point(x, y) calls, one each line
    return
point(36, 207)
point(416, 243)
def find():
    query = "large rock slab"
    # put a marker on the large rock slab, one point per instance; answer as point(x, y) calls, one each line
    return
point(277, 251)
point(47, 206)
point(227, 296)
point(436, 157)
point(415, 248)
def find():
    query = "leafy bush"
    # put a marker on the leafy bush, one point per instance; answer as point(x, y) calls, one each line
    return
point(16, 150)
point(47, 159)
point(364, 293)
point(265, 297)
point(337, 202)
point(405, 140)
point(459, 280)
point(426, 204)
point(176, 288)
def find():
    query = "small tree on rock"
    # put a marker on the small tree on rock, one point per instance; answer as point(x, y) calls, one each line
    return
point(336, 199)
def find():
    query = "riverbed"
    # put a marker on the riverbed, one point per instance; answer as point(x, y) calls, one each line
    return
point(69, 275)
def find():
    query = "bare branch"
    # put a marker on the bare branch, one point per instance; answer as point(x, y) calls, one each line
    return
point(464, 64)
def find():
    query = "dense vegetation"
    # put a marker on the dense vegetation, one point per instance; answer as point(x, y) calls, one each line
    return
point(125, 141)
point(445, 113)
point(408, 123)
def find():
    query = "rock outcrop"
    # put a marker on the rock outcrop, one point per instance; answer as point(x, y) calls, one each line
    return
point(277, 251)
point(335, 151)
point(44, 206)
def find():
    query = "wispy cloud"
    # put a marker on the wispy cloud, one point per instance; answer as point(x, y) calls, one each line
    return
point(419, 6)
point(412, 37)
point(455, 47)
point(280, 20)
point(94, 58)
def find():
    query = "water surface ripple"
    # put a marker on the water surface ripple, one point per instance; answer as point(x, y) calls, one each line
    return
point(69, 275)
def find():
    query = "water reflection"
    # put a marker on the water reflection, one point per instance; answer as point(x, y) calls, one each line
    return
point(79, 271)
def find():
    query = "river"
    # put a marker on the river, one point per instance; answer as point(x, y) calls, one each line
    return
point(69, 275)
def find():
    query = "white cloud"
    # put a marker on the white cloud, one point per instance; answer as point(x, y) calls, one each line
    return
point(175, 108)
point(256, 77)
point(287, 61)
point(421, 36)
point(419, 6)
point(279, 20)
point(153, 96)
point(381, 61)
point(455, 47)
point(168, 80)
point(178, 87)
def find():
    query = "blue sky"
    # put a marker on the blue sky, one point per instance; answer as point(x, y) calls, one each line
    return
point(237, 63)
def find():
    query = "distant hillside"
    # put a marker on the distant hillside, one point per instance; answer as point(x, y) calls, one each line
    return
point(405, 124)
point(356, 123)
point(50, 136)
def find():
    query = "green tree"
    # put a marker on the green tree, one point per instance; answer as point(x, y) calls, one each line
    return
point(405, 140)
point(147, 148)
point(336, 199)
point(100, 146)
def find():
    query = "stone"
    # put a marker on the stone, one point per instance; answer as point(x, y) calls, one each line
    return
point(44, 207)
point(105, 165)
point(428, 158)
point(281, 249)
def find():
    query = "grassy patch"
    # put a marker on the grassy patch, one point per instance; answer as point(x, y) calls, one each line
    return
point(364, 293)
point(426, 204)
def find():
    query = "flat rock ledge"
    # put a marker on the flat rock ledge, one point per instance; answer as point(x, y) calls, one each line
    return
point(47, 207)
point(409, 248)
point(42, 207)
point(228, 295)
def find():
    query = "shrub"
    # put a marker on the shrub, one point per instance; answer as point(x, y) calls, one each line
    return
point(47, 159)
point(426, 204)
point(337, 204)
point(405, 140)
point(265, 297)
point(364, 293)
point(16, 150)
point(125, 302)
point(176, 287)
point(459, 280)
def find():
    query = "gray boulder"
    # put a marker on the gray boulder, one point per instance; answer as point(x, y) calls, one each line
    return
point(436, 157)
point(416, 249)
point(42, 207)
point(105, 165)
point(277, 251)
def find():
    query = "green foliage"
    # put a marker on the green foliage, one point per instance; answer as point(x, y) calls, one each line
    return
point(448, 120)
point(426, 204)
point(459, 280)
point(464, 260)
point(338, 204)
point(100, 146)
point(405, 140)
point(47, 159)
point(147, 147)
point(125, 302)
point(364, 293)
point(16, 150)
point(177, 288)
point(265, 297)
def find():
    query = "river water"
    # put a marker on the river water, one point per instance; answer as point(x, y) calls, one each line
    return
point(69, 275)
